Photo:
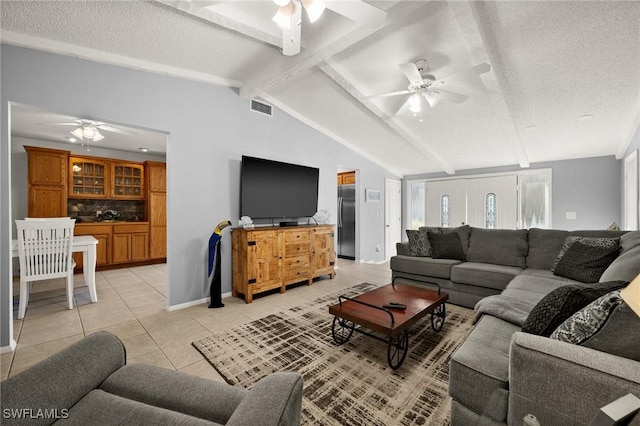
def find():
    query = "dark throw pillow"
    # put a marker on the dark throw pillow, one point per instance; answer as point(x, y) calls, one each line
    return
point(607, 324)
point(563, 302)
point(418, 243)
point(590, 241)
point(446, 246)
point(584, 262)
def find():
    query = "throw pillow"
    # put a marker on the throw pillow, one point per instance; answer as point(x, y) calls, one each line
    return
point(563, 302)
point(446, 246)
point(586, 263)
point(418, 243)
point(591, 241)
point(607, 324)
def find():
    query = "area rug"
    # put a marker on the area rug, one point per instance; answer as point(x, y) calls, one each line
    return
point(349, 384)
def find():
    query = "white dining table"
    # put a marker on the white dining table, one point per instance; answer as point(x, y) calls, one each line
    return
point(86, 244)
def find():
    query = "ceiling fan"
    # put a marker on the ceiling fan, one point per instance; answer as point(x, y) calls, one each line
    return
point(289, 17)
point(88, 130)
point(424, 86)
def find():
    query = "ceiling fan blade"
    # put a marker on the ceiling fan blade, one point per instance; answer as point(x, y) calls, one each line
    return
point(291, 37)
point(61, 124)
point(386, 95)
point(466, 73)
point(108, 128)
point(358, 11)
point(452, 97)
point(411, 72)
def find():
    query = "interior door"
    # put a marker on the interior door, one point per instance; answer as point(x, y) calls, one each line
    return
point(492, 202)
point(392, 216)
point(446, 203)
point(630, 220)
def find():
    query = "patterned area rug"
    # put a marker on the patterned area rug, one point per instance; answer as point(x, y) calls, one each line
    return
point(349, 384)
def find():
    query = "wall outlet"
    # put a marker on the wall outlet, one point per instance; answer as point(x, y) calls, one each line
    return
point(377, 247)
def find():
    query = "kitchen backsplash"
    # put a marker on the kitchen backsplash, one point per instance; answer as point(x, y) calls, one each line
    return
point(86, 210)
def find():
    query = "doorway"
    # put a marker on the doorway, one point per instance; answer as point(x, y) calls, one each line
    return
point(630, 197)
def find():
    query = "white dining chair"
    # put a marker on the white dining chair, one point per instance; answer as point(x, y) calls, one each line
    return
point(44, 250)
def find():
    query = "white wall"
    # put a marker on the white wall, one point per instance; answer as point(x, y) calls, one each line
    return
point(209, 129)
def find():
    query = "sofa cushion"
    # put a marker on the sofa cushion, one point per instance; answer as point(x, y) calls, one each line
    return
point(548, 275)
point(484, 274)
point(585, 259)
point(544, 246)
point(446, 246)
point(627, 266)
point(463, 231)
point(607, 324)
point(563, 302)
point(102, 408)
point(156, 386)
point(424, 266)
point(480, 367)
point(418, 243)
point(608, 243)
point(498, 246)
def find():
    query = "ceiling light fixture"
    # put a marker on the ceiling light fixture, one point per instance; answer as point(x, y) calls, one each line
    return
point(70, 139)
point(286, 10)
point(414, 103)
point(433, 98)
point(143, 149)
point(586, 117)
point(87, 132)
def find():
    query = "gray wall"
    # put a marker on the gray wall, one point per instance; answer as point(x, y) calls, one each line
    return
point(209, 129)
point(590, 187)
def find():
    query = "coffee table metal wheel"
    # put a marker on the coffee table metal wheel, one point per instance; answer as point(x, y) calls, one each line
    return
point(437, 317)
point(341, 330)
point(397, 349)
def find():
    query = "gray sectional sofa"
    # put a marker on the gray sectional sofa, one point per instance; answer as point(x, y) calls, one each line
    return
point(500, 374)
point(89, 384)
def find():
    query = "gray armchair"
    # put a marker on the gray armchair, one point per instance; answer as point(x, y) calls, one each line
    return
point(89, 383)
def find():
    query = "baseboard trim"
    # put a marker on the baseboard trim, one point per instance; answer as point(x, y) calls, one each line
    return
point(9, 348)
point(193, 303)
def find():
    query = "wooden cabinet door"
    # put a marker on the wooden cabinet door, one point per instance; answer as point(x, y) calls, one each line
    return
point(139, 246)
point(121, 248)
point(323, 251)
point(102, 233)
point(157, 211)
point(156, 176)
point(88, 178)
point(127, 180)
point(263, 259)
point(46, 166)
point(47, 201)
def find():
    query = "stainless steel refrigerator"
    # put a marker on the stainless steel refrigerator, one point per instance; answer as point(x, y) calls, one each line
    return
point(347, 221)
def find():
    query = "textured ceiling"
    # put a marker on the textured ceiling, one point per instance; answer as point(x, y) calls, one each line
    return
point(552, 62)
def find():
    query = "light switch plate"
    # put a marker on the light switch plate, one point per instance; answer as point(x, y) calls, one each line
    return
point(570, 215)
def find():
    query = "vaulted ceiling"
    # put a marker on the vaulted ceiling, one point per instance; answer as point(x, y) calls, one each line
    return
point(564, 79)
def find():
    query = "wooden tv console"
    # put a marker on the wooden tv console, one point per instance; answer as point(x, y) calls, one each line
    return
point(274, 257)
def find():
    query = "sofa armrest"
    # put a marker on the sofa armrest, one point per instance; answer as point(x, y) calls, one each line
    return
point(561, 383)
point(402, 248)
point(60, 381)
point(274, 400)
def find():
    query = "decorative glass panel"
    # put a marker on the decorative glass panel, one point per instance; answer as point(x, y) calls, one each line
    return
point(490, 210)
point(533, 200)
point(444, 211)
point(417, 204)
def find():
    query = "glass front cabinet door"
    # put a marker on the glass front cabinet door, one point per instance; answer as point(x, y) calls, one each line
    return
point(128, 180)
point(88, 178)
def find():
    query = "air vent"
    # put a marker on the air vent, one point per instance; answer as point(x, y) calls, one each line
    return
point(261, 107)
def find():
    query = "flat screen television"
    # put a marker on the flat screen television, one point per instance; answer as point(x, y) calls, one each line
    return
point(272, 190)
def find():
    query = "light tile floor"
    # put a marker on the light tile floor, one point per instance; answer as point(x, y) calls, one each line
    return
point(131, 304)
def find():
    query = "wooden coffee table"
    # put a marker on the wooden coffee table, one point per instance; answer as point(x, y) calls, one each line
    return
point(366, 310)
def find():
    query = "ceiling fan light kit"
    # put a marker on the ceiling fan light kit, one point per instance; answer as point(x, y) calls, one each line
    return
point(87, 132)
point(286, 10)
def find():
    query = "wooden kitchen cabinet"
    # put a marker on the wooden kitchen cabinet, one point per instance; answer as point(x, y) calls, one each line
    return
point(102, 233)
point(346, 178)
point(47, 182)
point(268, 258)
point(130, 242)
point(89, 178)
point(156, 207)
point(127, 180)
